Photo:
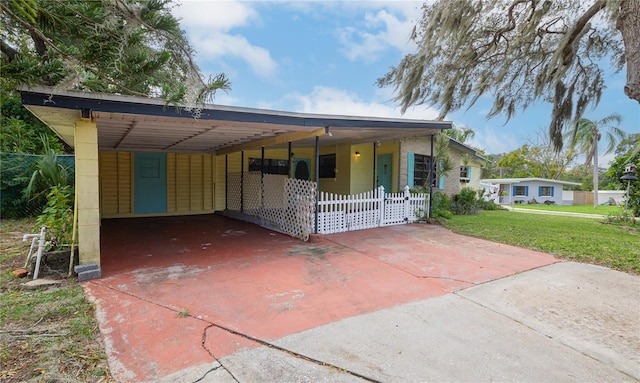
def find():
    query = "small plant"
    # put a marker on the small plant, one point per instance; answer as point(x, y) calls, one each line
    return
point(57, 216)
point(183, 313)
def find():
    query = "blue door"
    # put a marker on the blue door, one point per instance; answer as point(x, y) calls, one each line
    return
point(384, 173)
point(150, 183)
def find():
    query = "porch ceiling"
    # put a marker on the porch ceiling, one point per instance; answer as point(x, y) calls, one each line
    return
point(139, 124)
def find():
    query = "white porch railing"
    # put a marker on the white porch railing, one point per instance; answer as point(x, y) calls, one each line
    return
point(340, 213)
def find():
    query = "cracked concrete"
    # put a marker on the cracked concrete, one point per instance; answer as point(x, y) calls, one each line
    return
point(349, 309)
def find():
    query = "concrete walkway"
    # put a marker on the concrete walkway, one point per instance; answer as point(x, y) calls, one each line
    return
point(398, 304)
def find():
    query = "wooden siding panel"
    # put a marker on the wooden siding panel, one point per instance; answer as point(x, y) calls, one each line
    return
point(220, 183)
point(196, 183)
point(207, 174)
point(182, 183)
point(171, 182)
point(125, 182)
point(109, 182)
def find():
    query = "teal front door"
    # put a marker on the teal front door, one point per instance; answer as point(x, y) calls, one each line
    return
point(384, 173)
point(150, 183)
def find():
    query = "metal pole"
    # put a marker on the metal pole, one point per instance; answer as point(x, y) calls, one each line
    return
point(290, 161)
point(315, 228)
point(242, 181)
point(375, 184)
point(431, 179)
point(226, 181)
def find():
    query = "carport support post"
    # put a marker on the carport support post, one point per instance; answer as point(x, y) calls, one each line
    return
point(226, 181)
point(262, 166)
point(290, 160)
point(242, 181)
point(431, 179)
point(88, 191)
point(315, 223)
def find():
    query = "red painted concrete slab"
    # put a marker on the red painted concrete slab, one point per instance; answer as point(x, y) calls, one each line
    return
point(435, 252)
point(265, 285)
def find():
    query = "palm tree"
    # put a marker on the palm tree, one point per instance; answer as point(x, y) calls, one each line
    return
point(586, 137)
point(460, 134)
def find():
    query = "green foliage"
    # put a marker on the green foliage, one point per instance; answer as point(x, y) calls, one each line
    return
point(133, 47)
point(465, 202)
point(15, 172)
point(518, 52)
point(21, 131)
point(616, 170)
point(57, 216)
point(440, 206)
point(48, 173)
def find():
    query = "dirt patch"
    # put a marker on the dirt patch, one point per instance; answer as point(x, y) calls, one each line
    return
point(47, 334)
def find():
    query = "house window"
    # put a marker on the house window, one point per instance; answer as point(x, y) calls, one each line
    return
point(271, 166)
point(520, 191)
point(546, 191)
point(421, 167)
point(464, 172)
point(327, 166)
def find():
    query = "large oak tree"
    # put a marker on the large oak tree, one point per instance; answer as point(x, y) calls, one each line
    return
point(131, 47)
point(519, 52)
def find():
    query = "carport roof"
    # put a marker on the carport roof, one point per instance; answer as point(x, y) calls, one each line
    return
point(131, 123)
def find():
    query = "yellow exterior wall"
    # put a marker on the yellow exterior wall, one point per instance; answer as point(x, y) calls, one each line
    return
point(88, 191)
point(191, 187)
point(362, 168)
point(342, 183)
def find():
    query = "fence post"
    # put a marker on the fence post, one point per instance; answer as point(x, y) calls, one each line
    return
point(381, 206)
point(407, 203)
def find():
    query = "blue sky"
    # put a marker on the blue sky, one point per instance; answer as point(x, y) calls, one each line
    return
point(325, 57)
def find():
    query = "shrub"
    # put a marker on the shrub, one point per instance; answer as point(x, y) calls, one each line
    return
point(440, 207)
point(465, 202)
point(57, 216)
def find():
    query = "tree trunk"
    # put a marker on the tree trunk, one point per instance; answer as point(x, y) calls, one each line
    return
point(595, 170)
point(628, 24)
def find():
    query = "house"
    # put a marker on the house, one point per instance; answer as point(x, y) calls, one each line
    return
point(526, 190)
point(137, 157)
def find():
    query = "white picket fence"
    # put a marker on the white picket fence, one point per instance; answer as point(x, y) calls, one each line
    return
point(340, 213)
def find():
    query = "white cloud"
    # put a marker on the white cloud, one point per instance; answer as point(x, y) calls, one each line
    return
point(494, 141)
point(208, 24)
point(326, 100)
point(219, 15)
point(388, 26)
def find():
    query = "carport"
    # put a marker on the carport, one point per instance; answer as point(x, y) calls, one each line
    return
point(138, 157)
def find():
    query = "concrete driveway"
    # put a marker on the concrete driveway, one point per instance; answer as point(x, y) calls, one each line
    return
point(218, 300)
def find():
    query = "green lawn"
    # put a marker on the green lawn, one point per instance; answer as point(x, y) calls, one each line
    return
point(577, 239)
point(588, 209)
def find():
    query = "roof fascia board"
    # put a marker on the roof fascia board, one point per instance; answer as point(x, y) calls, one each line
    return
point(147, 106)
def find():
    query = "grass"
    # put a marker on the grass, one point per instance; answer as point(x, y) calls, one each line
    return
point(587, 209)
point(47, 334)
point(578, 239)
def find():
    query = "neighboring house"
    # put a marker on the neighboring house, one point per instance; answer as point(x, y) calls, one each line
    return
point(527, 190)
point(416, 160)
point(137, 157)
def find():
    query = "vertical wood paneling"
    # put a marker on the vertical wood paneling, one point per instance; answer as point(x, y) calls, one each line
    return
point(109, 182)
point(220, 183)
point(182, 183)
point(171, 182)
point(207, 174)
point(196, 182)
point(125, 181)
